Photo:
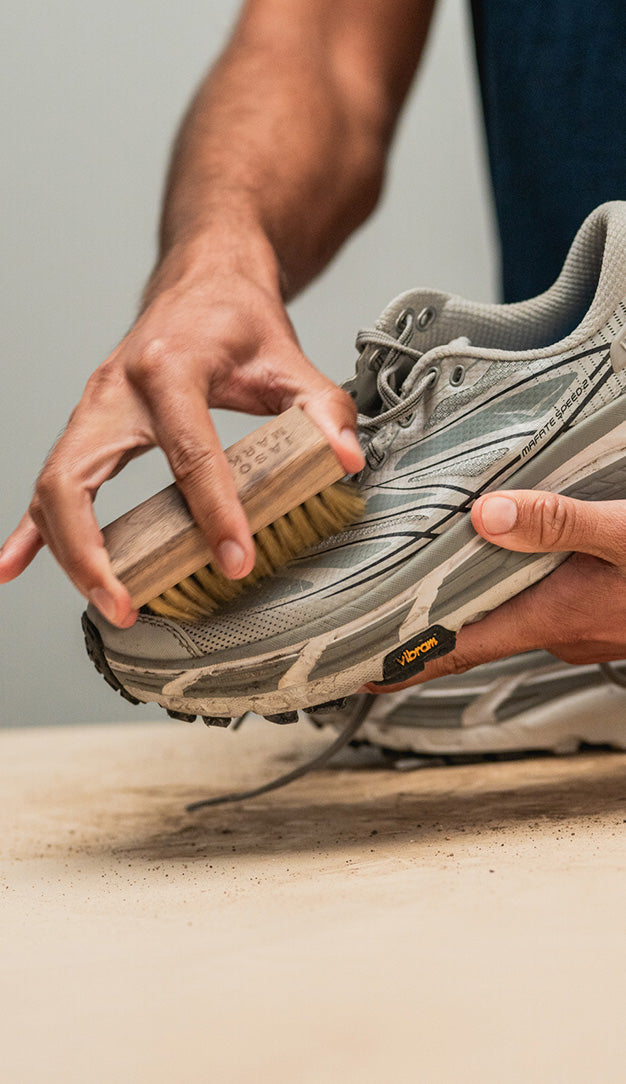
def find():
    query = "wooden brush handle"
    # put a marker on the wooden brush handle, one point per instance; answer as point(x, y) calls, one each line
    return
point(276, 468)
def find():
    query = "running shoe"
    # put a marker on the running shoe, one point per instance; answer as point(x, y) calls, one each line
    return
point(525, 704)
point(455, 398)
point(528, 705)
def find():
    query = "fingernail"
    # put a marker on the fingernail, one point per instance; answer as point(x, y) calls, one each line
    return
point(498, 515)
point(350, 442)
point(231, 557)
point(104, 602)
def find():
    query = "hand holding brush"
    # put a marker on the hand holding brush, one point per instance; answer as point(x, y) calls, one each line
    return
point(288, 482)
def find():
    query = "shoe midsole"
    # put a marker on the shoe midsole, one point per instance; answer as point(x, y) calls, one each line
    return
point(594, 716)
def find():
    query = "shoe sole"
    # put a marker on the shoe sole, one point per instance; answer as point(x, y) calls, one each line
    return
point(455, 580)
point(594, 716)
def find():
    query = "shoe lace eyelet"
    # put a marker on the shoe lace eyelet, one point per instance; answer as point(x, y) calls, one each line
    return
point(373, 363)
point(405, 321)
point(434, 372)
point(457, 376)
point(425, 317)
point(404, 423)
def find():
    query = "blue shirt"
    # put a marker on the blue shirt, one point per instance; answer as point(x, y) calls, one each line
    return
point(553, 81)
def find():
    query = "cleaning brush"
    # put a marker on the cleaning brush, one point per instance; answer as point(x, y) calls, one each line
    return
point(289, 482)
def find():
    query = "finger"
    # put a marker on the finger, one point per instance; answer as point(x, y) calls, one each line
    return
point(22, 545)
point(62, 508)
point(63, 513)
point(186, 433)
point(539, 522)
point(334, 411)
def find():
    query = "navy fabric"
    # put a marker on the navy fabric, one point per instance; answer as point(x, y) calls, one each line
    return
point(553, 80)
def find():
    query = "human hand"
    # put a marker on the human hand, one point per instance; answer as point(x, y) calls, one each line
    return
point(213, 333)
point(578, 612)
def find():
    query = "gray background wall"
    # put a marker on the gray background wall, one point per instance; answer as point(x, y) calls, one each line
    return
point(91, 96)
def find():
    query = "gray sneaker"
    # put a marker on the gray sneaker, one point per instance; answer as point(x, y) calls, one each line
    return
point(528, 703)
point(455, 398)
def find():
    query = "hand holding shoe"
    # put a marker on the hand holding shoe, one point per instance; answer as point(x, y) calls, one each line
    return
point(578, 613)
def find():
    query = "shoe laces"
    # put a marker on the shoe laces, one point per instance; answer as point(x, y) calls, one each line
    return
point(355, 722)
point(389, 356)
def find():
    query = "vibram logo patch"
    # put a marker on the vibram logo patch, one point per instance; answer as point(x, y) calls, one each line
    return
point(410, 657)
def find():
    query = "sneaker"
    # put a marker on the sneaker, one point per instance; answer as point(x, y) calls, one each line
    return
point(529, 704)
point(524, 704)
point(455, 398)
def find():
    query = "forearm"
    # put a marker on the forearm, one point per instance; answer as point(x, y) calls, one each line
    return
point(283, 148)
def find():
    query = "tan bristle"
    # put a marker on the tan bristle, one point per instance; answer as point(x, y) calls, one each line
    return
point(173, 603)
point(290, 536)
point(303, 527)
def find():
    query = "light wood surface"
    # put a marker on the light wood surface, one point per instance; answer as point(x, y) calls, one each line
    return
point(279, 466)
point(363, 926)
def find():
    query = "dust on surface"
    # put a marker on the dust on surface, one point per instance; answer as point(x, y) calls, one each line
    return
point(122, 791)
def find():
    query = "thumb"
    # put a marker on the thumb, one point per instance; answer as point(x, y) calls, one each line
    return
point(539, 522)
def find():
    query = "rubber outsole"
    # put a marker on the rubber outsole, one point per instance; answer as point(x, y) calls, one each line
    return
point(95, 651)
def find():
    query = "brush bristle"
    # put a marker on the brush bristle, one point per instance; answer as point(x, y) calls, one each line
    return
point(307, 525)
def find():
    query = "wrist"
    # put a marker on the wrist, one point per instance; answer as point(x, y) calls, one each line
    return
point(225, 249)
